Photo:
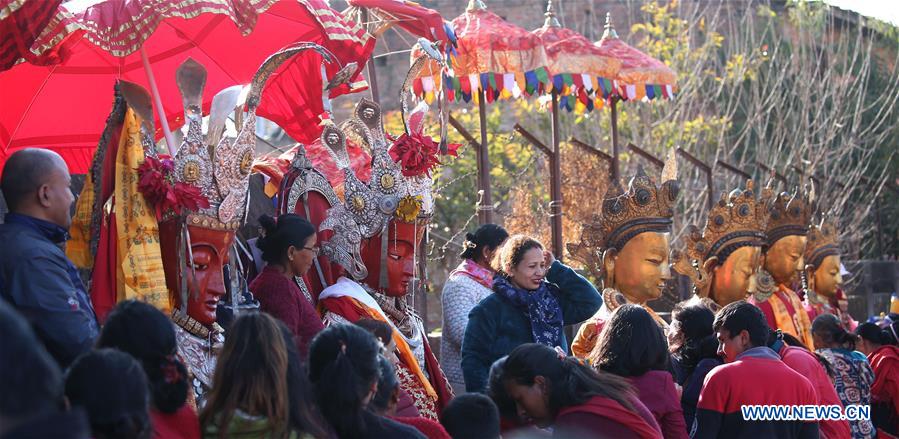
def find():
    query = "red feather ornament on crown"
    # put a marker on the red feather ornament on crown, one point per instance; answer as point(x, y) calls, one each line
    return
point(157, 184)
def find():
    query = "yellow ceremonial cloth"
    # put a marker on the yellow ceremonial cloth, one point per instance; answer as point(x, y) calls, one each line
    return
point(797, 324)
point(139, 274)
point(78, 248)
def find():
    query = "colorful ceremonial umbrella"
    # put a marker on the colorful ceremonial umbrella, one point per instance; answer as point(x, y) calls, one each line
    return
point(495, 60)
point(640, 77)
point(63, 107)
point(579, 70)
point(21, 21)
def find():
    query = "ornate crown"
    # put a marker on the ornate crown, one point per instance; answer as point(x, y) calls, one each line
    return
point(217, 164)
point(737, 220)
point(822, 242)
point(626, 214)
point(787, 214)
point(368, 208)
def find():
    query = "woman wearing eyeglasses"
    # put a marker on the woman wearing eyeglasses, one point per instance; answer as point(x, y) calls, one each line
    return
point(288, 248)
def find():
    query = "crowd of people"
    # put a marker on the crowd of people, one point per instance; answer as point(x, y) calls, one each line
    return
point(288, 370)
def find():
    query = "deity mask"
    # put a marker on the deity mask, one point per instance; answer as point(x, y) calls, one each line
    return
point(402, 241)
point(722, 260)
point(822, 256)
point(627, 245)
point(640, 269)
point(786, 234)
point(377, 227)
point(196, 240)
point(202, 275)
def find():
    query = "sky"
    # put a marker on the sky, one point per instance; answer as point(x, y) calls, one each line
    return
point(884, 10)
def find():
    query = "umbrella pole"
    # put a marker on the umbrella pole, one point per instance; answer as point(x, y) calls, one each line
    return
point(615, 170)
point(485, 209)
point(160, 111)
point(555, 206)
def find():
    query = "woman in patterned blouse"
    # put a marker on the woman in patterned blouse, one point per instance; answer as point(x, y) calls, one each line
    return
point(852, 374)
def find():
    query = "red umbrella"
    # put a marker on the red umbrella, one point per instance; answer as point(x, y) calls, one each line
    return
point(414, 18)
point(21, 21)
point(63, 107)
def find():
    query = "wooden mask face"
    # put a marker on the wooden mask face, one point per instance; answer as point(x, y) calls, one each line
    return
point(403, 239)
point(206, 285)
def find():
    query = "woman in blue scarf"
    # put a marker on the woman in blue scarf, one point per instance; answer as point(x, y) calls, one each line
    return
point(534, 298)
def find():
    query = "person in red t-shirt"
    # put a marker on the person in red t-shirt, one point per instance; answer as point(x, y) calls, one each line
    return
point(551, 389)
point(881, 345)
point(753, 374)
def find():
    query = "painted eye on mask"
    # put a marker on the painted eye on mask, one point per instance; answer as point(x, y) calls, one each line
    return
point(395, 257)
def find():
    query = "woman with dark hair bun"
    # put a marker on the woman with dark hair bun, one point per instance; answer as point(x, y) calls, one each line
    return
point(468, 284)
point(575, 399)
point(145, 333)
point(344, 370)
point(852, 375)
point(632, 346)
point(289, 250)
point(881, 345)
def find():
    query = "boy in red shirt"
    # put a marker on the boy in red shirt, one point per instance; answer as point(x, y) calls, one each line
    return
point(753, 374)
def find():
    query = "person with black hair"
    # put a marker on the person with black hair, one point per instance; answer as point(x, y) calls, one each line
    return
point(817, 370)
point(384, 333)
point(32, 402)
point(753, 375)
point(632, 346)
point(145, 333)
point(881, 345)
point(36, 277)
point(303, 415)
point(534, 298)
point(344, 371)
point(552, 389)
point(289, 250)
point(385, 400)
point(112, 387)
point(693, 348)
point(471, 416)
point(249, 398)
point(852, 374)
point(466, 286)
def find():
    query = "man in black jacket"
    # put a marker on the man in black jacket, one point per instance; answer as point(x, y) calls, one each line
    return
point(36, 278)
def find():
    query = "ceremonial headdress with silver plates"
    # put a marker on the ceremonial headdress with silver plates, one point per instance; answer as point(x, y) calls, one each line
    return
point(368, 208)
point(218, 165)
point(400, 185)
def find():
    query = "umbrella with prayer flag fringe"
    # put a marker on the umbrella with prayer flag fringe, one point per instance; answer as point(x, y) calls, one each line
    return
point(494, 60)
point(62, 107)
point(640, 77)
point(578, 69)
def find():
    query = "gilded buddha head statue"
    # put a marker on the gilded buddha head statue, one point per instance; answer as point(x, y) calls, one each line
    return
point(722, 259)
point(786, 231)
point(822, 259)
point(628, 243)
